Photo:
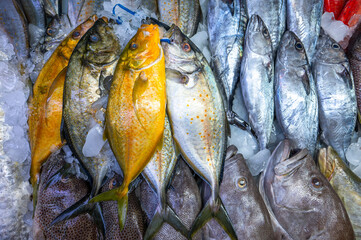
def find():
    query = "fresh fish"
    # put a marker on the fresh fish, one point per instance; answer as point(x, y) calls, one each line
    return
point(51, 9)
point(346, 184)
point(54, 199)
point(198, 120)
point(79, 10)
point(35, 15)
point(240, 195)
point(295, 93)
point(336, 94)
point(257, 79)
point(134, 224)
point(304, 19)
point(186, 14)
point(226, 26)
point(301, 201)
point(136, 110)
point(182, 196)
point(56, 32)
point(91, 66)
point(13, 19)
point(45, 108)
point(157, 173)
point(351, 13)
point(354, 56)
point(273, 14)
point(334, 6)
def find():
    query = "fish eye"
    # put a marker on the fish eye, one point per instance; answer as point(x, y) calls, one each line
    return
point(50, 31)
point(335, 46)
point(184, 79)
point(299, 46)
point(133, 46)
point(316, 182)
point(242, 182)
point(76, 34)
point(94, 38)
point(186, 47)
point(265, 32)
point(112, 183)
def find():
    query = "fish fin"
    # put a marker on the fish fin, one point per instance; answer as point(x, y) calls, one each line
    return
point(65, 171)
point(306, 80)
point(140, 86)
point(291, 165)
point(220, 215)
point(113, 195)
point(161, 216)
point(81, 207)
point(35, 196)
point(346, 77)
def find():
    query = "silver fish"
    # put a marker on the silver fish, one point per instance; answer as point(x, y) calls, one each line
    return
point(302, 203)
point(304, 19)
point(198, 120)
point(257, 79)
point(80, 10)
point(336, 94)
point(157, 173)
point(241, 197)
point(226, 26)
point(295, 93)
point(273, 14)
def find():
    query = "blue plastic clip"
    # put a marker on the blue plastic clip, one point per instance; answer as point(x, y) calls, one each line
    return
point(167, 40)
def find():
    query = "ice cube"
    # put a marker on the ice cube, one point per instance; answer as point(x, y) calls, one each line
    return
point(258, 162)
point(335, 29)
point(94, 141)
point(247, 144)
point(357, 171)
point(353, 153)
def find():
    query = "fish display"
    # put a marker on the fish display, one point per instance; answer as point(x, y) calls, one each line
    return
point(337, 105)
point(226, 27)
point(45, 110)
point(346, 184)
point(186, 14)
point(134, 225)
point(183, 197)
point(304, 19)
point(136, 110)
point(294, 188)
point(273, 16)
point(56, 198)
point(295, 93)
point(91, 65)
point(197, 116)
point(354, 56)
point(334, 6)
point(243, 202)
point(257, 79)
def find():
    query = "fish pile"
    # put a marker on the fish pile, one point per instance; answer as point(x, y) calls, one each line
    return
point(135, 107)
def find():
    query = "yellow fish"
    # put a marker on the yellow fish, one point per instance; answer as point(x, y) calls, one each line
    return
point(136, 110)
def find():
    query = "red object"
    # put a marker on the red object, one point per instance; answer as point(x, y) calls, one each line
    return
point(334, 6)
point(351, 13)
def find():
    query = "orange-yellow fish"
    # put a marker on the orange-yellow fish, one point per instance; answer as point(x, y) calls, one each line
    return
point(136, 110)
point(44, 115)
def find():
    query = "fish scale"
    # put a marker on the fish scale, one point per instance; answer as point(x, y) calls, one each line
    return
point(354, 55)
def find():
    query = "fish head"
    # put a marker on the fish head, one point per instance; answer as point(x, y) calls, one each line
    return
point(291, 50)
point(181, 59)
point(258, 36)
point(102, 43)
point(56, 31)
point(329, 51)
point(144, 48)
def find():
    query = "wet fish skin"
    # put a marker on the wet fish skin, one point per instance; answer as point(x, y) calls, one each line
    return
point(56, 31)
point(226, 26)
point(354, 56)
point(80, 10)
point(197, 116)
point(304, 19)
point(273, 16)
point(241, 197)
point(182, 196)
point(294, 189)
point(186, 14)
point(134, 226)
point(257, 79)
point(56, 198)
point(336, 94)
point(50, 8)
point(295, 93)
point(346, 184)
point(13, 19)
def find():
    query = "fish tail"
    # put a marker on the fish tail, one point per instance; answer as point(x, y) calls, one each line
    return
point(165, 215)
point(121, 196)
point(35, 196)
point(63, 172)
point(80, 207)
point(214, 209)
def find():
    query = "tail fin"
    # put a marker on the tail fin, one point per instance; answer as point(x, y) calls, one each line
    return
point(165, 215)
point(122, 199)
point(220, 215)
point(80, 207)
